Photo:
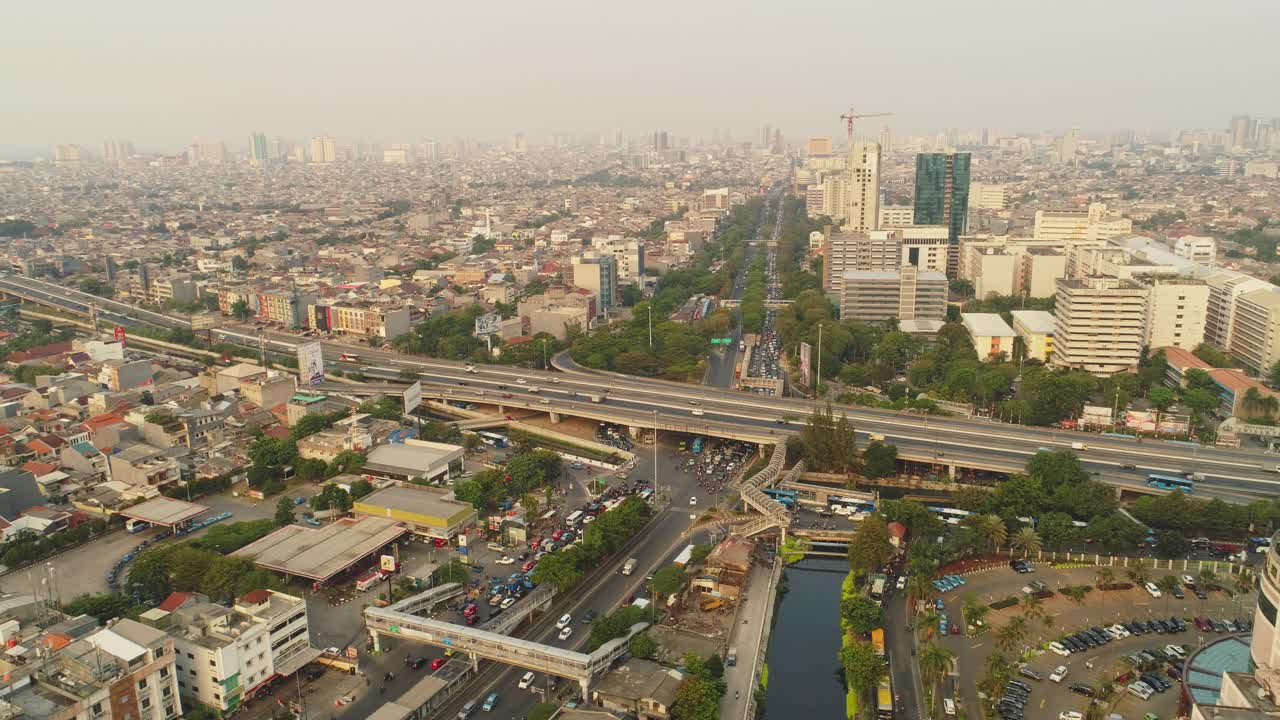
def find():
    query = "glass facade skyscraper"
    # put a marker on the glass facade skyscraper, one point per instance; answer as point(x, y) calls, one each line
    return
point(942, 197)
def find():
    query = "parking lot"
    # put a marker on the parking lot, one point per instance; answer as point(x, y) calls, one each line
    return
point(1092, 666)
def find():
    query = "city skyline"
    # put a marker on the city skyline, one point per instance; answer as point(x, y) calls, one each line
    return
point(162, 76)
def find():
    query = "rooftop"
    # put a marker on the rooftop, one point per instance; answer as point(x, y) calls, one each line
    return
point(417, 455)
point(164, 511)
point(320, 553)
point(1036, 321)
point(986, 325)
point(411, 500)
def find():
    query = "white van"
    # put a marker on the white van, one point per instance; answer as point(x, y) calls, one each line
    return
point(564, 621)
point(1141, 690)
point(1152, 590)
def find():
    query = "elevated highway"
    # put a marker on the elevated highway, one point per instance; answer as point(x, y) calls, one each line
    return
point(946, 443)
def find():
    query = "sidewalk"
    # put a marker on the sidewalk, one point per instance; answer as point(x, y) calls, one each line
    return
point(746, 637)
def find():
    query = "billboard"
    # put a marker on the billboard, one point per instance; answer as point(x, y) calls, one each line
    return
point(487, 324)
point(1175, 424)
point(806, 364)
point(412, 397)
point(310, 363)
point(121, 336)
point(206, 321)
point(1095, 415)
point(1140, 420)
point(388, 563)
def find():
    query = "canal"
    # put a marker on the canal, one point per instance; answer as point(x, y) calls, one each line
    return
point(804, 647)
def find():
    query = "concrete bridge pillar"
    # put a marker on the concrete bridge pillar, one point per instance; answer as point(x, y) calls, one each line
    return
point(377, 644)
point(555, 418)
point(634, 431)
point(585, 686)
point(951, 472)
point(502, 411)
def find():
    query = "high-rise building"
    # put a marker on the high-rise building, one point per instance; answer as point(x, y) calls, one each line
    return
point(861, 192)
point(212, 153)
point(431, 151)
point(661, 141)
point(257, 148)
point(1241, 131)
point(1067, 146)
point(1225, 289)
point(942, 196)
point(276, 149)
point(66, 156)
point(1255, 329)
point(1176, 310)
point(114, 151)
point(323, 149)
point(818, 145)
point(1099, 324)
point(886, 139)
point(519, 143)
point(986, 196)
point(1092, 223)
point(882, 295)
point(599, 274)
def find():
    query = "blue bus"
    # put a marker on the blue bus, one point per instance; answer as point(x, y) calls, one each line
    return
point(492, 438)
point(1171, 482)
point(786, 497)
point(697, 445)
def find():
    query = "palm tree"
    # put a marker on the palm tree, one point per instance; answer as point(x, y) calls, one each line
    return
point(1034, 609)
point(1139, 574)
point(935, 662)
point(992, 529)
point(927, 625)
point(1242, 584)
point(1075, 593)
point(1252, 399)
point(1167, 584)
point(973, 611)
point(1027, 540)
point(1207, 578)
point(920, 588)
point(1011, 634)
point(1104, 576)
point(997, 672)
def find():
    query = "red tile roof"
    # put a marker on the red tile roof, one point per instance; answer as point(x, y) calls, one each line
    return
point(98, 422)
point(174, 601)
point(39, 468)
point(256, 597)
point(1182, 359)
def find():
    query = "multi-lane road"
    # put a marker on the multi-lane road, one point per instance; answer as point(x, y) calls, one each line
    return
point(1236, 474)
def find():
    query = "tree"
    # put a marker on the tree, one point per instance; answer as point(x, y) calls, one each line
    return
point(863, 667)
point(829, 444)
point(934, 662)
point(880, 460)
point(331, 497)
point(559, 569)
point(643, 646)
point(284, 512)
point(1167, 585)
point(1139, 574)
point(220, 581)
point(102, 606)
point(1115, 532)
point(869, 547)
point(360, 488)
point(1012, 634)
point(1053, 469)
point(861, 614)
point(1025, 540)
point(668, 581)
point(40, 326)
point(1103, 577)
point(697, 698)
point(240, 310)
point(94, 286)
point(1161, 398)
point(989, 530)
point(238, 263)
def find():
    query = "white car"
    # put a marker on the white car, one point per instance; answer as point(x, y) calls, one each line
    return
point(565, 632)
point(693, 500)
point(1070, 715)
point(949, 706)
point(1175, 650)
point(1188, 581)
point(526, 681)
point(902, 582)
point(1141, 690)
point(564, 621)
point(1152, 590)
point(508, 602)
point(1059, 648)
point(1058, 673)
point(506, 560)
point(1119, 631)
point(520, 381)
point(555, 381)
point(496, 547)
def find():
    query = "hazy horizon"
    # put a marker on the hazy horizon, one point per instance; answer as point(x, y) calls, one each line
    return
point(162, 74)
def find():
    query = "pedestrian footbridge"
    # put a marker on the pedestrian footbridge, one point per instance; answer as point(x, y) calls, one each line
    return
point(394, 621)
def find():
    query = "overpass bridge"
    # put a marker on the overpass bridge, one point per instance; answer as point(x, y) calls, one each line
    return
point(480, 643)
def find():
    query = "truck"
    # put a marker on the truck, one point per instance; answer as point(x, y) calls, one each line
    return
point(732, 658)
point(1079, 446)
point(877, 587)
point(629, 566)
point(877, 640)
point(876, 437)
point(596, 398)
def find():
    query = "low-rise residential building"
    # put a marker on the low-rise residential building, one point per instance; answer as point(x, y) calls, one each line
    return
point(368, 320)
point(1035, 327)
point(144, 466)
point(268, 391)
point(640, 689)
point(990, 334)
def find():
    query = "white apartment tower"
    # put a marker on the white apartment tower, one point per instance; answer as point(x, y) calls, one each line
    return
point(1099, 324)
point(1176, 311)
point(862, 187)
point(323, 149)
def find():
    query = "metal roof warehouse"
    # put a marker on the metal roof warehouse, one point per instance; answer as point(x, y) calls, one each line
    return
point(321, 553)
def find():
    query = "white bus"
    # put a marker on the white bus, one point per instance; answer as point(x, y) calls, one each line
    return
point(574, 517)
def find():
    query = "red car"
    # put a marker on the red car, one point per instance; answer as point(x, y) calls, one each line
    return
point(437, 663)
point(557, 535)
point(527, 566)
point(509, 417)
point(506, 395)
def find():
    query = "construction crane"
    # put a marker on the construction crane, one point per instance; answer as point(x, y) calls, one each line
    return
point(851, 116)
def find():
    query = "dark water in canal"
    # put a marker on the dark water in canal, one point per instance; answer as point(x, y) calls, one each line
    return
point(804, 647)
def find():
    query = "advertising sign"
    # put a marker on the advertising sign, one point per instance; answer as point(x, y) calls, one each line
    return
point(1175, 424)
point(487, 324)
point(121, 337)
point(412, 397)
point(1095, 415)
point(310, 363)
point(388, 563)
point(806, 364)
point(1140, 420)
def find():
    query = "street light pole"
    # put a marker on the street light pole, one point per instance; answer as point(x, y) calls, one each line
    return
point(818, 381)
point(651, 325)
point(655, 458)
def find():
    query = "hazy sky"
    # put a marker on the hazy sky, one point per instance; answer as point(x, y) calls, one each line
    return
point(163, 72)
